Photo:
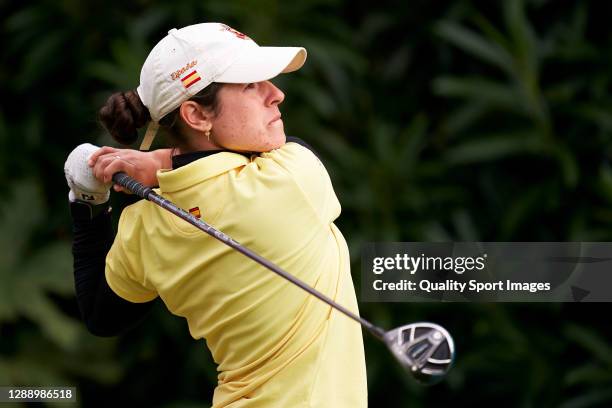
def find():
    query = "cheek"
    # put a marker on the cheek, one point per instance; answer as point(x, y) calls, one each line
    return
point(230, 128)
point(245, 129)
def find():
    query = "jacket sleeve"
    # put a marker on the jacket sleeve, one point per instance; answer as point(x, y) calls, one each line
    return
point(104, 312)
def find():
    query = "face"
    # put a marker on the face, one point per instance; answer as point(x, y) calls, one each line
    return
point(249, 118)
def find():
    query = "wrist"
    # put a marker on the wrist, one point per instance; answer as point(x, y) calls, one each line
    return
point(82, 211)
point(164, 158)
point(92, 198)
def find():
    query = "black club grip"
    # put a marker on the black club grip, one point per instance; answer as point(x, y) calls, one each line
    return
point(135, 187)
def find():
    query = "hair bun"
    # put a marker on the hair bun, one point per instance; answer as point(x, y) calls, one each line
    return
point(122, 115)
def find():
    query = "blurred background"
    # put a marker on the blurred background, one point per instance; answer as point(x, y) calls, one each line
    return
point(455, 120)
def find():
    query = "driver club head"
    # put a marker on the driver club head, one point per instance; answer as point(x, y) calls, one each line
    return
point(425, 350)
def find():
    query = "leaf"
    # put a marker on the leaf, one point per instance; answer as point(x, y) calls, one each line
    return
point(567, 162)
point(27, 372)
point(146, 24)
point(411, 143)
point(466, 115)
point(321, 101)
point(590, 399)
point(518, 210)
point(591, 341)
point(4, 372)
point(523, 41)
point(526, 54)
point(435, 232)
point(50, 268)
point(18, 217)
point(589, 374)
point(475, 44)
point(61, 329)
point(599, 115)
point(337, 70)
point(466, 229)
point(480, 90)
point(604, 181)
point(41, 58)
point(382, 140)
point(490, 31)
point(493, 147)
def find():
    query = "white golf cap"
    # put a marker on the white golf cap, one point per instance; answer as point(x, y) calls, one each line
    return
point(189, 59)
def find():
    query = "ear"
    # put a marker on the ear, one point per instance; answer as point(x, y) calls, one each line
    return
point(195, 116)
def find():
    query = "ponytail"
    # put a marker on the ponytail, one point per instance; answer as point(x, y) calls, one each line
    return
point(122, 115)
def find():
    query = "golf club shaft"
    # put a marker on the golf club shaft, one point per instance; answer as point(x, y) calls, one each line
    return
point(148, 194)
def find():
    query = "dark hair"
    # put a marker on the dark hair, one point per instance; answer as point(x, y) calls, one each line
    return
point(124, 113)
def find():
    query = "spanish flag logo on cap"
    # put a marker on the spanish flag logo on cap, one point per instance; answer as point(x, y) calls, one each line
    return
point(195, 211)
point(190, 79)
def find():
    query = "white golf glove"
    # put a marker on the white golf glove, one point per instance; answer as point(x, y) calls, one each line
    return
point(84, 186)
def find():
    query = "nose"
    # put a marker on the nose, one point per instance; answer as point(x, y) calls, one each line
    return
point(274, 95)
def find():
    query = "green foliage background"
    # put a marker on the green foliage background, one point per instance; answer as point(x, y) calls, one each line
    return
point(459, 120)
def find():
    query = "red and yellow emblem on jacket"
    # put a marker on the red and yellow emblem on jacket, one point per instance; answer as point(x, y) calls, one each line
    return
point(195, 211)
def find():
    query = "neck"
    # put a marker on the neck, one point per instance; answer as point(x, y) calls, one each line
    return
point(198, 144)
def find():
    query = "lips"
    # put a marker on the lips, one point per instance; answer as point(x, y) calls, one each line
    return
point(274, 119)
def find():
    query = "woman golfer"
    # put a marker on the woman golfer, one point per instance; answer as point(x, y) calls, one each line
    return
point(275, 345)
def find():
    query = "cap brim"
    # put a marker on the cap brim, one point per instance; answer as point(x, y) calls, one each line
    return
point(262, 63)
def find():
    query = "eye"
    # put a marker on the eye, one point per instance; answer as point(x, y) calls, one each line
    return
point(250, 86)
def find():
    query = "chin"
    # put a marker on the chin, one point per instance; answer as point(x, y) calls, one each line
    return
point(268, 140)
point(277, 139)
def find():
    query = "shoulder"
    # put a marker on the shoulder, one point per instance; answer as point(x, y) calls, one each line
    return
point(294, 152)
point(306, 171)
point(132, 220)
point(297, 140)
